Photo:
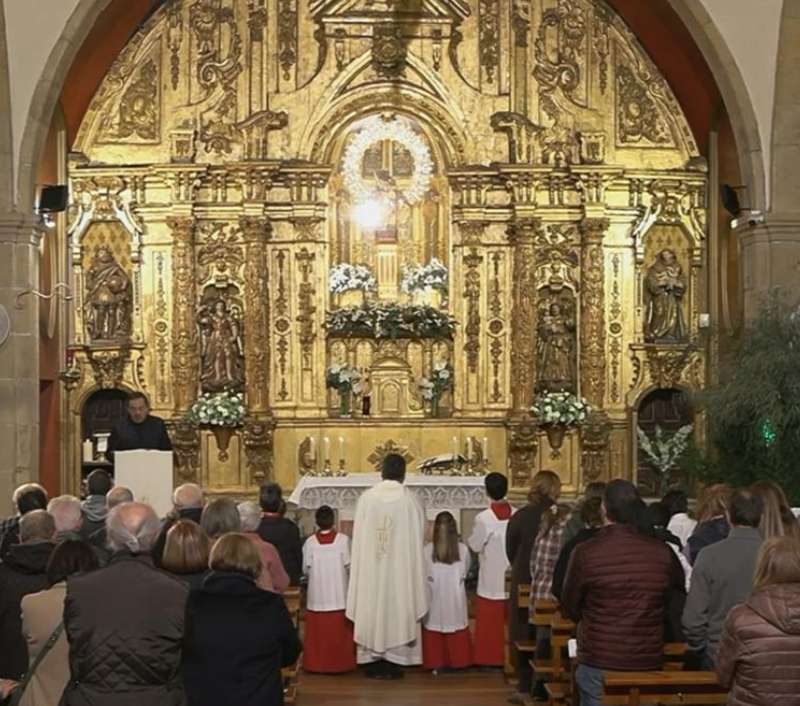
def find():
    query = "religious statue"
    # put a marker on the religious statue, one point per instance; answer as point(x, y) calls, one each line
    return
point(665, 285)
point(109, 298)
point(221, 349)
point(556, 346)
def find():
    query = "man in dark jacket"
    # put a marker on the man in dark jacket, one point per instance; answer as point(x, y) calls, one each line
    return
point(281, 533)
point(618, 588)
point(23, 571)
point(722, 577)
point(27, 497)
point(140, 429)
point(125, 622)
point(187, 504)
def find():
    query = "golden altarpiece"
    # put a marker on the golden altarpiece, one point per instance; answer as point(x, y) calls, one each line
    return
point(210, 199)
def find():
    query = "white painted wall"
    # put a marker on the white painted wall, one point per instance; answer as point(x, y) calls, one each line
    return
point(750, 28)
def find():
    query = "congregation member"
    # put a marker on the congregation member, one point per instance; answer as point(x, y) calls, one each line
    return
point(23, 571)
point(67, 516)
point(273, 576)
point(329, 645)
point(116, 496)
point(617, 589)
point(139, 429)
point(125, 622)
point(659, 518)
point(43, 624)
point(219, 517)
point(722, 577)
point(187, 504)
point(94, 509)
point(576, 524)
point(387, 597)
point(712, 524)
point(520, 536)
point(446, 640)
point(759, 653)
point(488, 541)
point(26, 498)
point(591, 514)
point(777, 519)
point(676, 503)
point(239, 636)
point(186, 553)
point(280, 532)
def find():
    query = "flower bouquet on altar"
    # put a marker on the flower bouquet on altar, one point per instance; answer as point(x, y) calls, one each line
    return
point(556, 412)
point(431, 389)
point(223, 412)
point(425, 279)
point(347, 382)
point(345, 278)
point(664, 449)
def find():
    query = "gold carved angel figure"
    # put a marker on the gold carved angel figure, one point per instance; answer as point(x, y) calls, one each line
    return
point(556, 346)
point(221, 349)
point(665, 285)
point(109, 298)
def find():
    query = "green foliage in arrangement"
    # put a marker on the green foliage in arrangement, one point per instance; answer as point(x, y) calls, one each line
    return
point(391, 320)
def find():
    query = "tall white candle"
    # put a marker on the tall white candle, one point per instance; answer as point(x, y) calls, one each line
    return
point(341, 449)
point(486, 449)
point(327, 443)
point(469, 449)
point(455, 448)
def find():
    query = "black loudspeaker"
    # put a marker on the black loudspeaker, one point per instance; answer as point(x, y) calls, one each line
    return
point(53, 199)
point(730, 200)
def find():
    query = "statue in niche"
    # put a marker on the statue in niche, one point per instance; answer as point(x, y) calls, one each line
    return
point(665, 285)
point(556, 348)
point(109, 298)
point(221, 349)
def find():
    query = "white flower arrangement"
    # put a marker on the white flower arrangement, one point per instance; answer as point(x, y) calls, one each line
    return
point(343, 379)
point(423, 278)
point(225, 409)
point(561, 408)
point(347, 278)
point(441, 379)
point(664, 449)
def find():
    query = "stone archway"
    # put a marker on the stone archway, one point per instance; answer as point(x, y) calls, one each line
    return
point(6, 143)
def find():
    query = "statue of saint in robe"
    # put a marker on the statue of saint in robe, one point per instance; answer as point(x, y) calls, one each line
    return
point(665, 285)
point(555, 347)
point(221, 350)
point(109, 298)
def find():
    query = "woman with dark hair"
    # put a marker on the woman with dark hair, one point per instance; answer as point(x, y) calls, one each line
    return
point(219, 517)
point(280, 532)
point(42, 614)
point(240, 636)
point(186, 553)
point(759, 654)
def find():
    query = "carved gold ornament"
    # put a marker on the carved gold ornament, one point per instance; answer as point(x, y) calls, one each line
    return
point(376, 130)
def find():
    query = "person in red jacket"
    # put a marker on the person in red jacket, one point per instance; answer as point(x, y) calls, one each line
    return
point(618, 587)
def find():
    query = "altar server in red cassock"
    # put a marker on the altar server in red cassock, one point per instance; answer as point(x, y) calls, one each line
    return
point(488, 540)
point(329, 646)
point(446, 642)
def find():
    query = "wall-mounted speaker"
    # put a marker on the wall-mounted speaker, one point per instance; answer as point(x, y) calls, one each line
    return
point(53, 199)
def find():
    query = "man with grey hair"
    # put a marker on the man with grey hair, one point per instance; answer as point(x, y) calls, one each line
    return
point(23, 571)
point(66, 512)
point(117, 496)
point(273, 576)
point(125, 622)
point(187, 504)
point(27, 497)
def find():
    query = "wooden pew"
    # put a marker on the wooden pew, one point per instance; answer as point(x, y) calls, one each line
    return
point(524, 647)
point(667, 687)
point(293, 601)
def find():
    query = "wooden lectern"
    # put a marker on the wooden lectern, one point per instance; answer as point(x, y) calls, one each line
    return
point(148, 474)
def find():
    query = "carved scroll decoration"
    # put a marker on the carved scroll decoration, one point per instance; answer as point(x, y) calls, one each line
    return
point(615, 329)
point(497, 326)
point(287, 36)
point(258, 440)
point(282, 323)
point(489, 37)
point(161, 330)
point(306, 308)
point(184, 335)
point(638, 117)
point(108, 365)
point(185, 438)
point(593, 330)
point(595, 436)
point(256, 233)
point(472, 295)
point(523, 445)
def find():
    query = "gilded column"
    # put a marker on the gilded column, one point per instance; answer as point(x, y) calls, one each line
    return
point(256, 232)
point(593, 325)
point(184, 332)
point(522, 233)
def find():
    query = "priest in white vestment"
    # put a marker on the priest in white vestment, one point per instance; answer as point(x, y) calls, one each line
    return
point(387, 596)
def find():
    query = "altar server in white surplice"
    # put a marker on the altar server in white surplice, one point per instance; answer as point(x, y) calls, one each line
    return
point(446, 642)
point(387, 596)
point(329, 646)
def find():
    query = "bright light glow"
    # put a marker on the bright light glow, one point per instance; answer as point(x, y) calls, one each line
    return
point(369, 214)
point(48, 220)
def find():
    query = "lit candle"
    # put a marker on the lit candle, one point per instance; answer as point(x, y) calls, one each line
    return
point(455, 448)
point(327, 443)
point(486, 449)
point(341, 449)
point(469, 449)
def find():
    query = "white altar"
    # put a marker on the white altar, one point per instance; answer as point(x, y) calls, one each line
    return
point(435, 493)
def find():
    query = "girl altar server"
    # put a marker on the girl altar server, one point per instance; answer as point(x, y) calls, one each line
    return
point(329, 646)
point(446, 642)
point(488, 540)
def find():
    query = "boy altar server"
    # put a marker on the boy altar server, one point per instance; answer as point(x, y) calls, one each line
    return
point(488, 540)
point(329, 646)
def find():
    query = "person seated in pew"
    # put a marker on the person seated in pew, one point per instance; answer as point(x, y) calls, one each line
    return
point(618, 587)
point(759, 654)
point(329, 648)
point(446, 642)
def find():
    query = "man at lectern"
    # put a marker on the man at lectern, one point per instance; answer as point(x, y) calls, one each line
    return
point(140, 430)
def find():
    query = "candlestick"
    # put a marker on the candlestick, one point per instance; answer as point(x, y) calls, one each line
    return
point(455, 450)
point(341, 450)
point(486, 450)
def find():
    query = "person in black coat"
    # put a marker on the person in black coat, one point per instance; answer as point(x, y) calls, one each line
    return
point(27, 497)
point(140, 429)
point(239, 636)
point(281, 533)
point(592, 517)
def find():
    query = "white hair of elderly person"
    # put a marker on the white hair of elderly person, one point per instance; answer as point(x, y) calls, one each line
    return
point(66, 512)
point(188, 496)
point(250, 515)
point(132, 527)
point(117, 495)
